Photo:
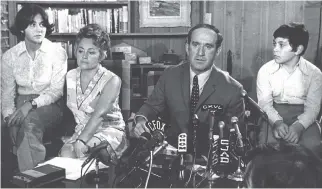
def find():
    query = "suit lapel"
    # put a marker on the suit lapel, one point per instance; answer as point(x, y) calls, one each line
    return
point(208, 89)
point(185, 87)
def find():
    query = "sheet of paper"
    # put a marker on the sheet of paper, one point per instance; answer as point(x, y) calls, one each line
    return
point(72, 166)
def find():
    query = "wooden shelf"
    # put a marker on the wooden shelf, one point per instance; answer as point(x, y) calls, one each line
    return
point(124, 35)
point(87, 2)
point(155, 65)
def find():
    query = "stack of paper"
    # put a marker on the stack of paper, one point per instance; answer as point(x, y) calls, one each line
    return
point(72, 166)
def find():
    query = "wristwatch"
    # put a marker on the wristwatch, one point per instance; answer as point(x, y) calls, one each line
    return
point(33, 104)
point(6, 119)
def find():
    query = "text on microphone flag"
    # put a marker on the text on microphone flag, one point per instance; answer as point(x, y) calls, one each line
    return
point(156, 125)
point(224, 149)
point(182, 142)
point(214, 108)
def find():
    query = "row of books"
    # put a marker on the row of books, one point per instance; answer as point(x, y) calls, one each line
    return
point(4, 8)
point(69, 48)
point(70, 20)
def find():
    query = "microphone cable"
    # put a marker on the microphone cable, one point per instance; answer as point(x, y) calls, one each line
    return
point(209, 162)
point(193, 159)
point(191, 169)
point(82, 175)
point(205, 175)
point(150, 169)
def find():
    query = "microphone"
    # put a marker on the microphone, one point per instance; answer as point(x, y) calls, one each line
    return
point(145, 136)
point(253, 103)
point(143, 139)
point(182, 149)
point(94, 152)
point(157, 137)
point(211, 125)
point(240, 143)
point(215, 151)
point(223, 149)
point(164, 144)
point(157, 128)
point(221, 126)
point(182, 143)
point(195, 125)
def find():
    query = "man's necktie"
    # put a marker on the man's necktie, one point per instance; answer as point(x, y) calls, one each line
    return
point(194, 95)
point(193, 103)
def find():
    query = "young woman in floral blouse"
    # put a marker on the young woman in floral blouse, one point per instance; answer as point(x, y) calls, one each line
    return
point(32, 79)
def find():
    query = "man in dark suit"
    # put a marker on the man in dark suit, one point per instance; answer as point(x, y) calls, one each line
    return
point(172, 94)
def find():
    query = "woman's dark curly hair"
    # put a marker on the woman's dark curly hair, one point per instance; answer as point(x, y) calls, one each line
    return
point(25, 17)
point(100, 38)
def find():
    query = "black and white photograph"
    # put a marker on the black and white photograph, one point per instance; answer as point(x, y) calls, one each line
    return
point(161, 94)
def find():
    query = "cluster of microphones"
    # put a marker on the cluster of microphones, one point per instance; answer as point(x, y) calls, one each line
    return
point(222, 145)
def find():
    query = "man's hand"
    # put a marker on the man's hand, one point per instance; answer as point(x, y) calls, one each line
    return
point(80, 149)
point(294, 133)
point(280, 129)
point(139, 128)
point(20, 114)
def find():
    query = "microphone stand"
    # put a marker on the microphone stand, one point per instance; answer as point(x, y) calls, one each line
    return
point(211, 174)
point(97, 178)
point(238, 175)
point(247, 125)
point(97, 175)
point(138, 163)
point(195, 125)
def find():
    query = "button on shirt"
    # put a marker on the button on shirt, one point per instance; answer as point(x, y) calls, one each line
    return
point(43, 75)
point(302, 86)
point(202, 79)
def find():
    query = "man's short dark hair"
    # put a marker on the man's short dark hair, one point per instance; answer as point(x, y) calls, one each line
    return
point(295, 33)
point(25, 17)
point(283, 166)
point(211, 27)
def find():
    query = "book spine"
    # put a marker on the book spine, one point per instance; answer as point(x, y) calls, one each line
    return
point(116, 20)
point(125, 19)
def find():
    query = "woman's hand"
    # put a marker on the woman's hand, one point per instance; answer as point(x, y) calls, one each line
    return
point(80, 149)
point(20, 114)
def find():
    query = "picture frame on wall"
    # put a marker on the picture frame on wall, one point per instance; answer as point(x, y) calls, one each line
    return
point(174, 13)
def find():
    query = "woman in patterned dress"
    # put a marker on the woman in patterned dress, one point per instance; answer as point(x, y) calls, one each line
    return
point(93, 96)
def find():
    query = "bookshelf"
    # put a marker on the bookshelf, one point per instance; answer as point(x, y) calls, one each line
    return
point(143, 38)
point(178, 34)
point(69, 16)
point(5, 44)
point(72, 14)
